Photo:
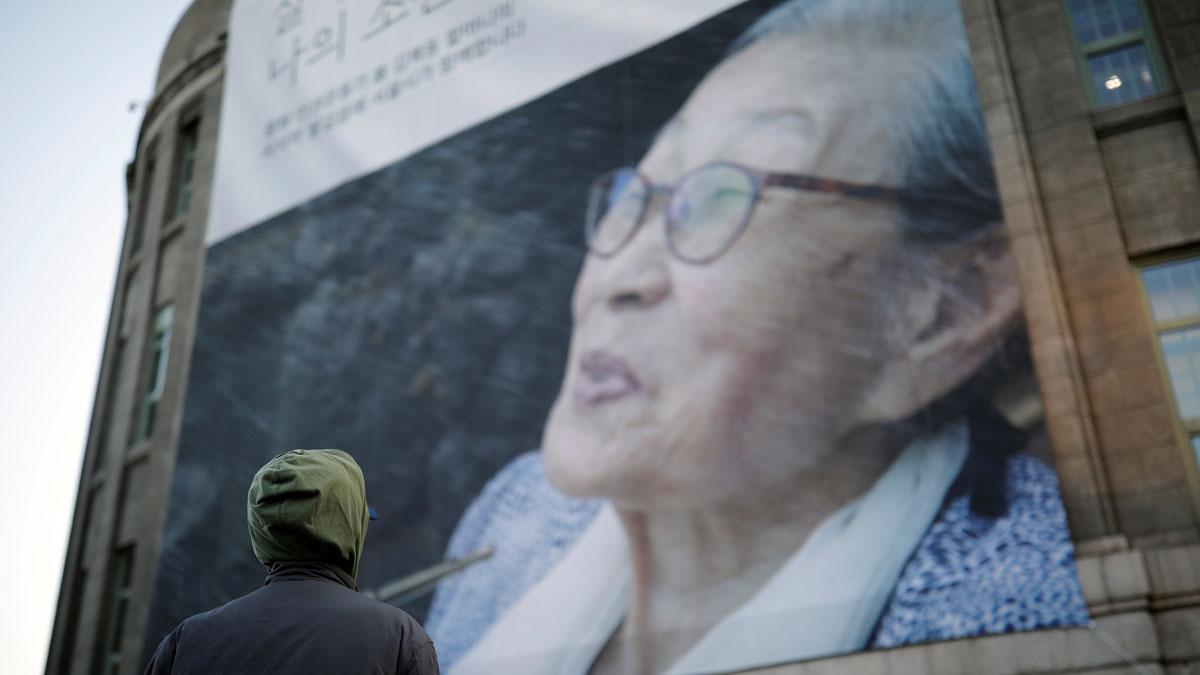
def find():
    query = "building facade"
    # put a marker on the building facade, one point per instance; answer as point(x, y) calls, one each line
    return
point(1093, 111)
point(123, 490)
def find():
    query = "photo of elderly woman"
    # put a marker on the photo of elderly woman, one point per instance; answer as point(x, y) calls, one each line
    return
point(796, 418)
point(709, 353)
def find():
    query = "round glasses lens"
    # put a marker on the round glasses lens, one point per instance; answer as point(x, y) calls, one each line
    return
point(614, 209)
point(709, 209)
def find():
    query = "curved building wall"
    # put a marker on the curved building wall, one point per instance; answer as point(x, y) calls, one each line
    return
point(130, 452)
point(200, 24)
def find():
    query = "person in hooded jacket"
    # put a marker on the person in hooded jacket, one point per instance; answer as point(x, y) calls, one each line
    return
point(308, 514)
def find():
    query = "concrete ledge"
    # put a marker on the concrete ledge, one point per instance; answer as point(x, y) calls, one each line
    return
point(1125, 576)
point(1146, 112)
point(1146, 669)
point(1114, 582)
point(1174, 571)
point(1068, 650)
point(1179, 632)
point(1188, 668)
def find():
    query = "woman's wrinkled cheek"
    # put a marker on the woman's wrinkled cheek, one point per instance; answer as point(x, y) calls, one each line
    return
point(729, 310)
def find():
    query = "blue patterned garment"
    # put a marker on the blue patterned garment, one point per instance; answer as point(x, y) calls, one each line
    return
point(530, 525)
point(971, 575)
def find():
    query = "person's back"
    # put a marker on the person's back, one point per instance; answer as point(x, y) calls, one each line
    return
point(308, 516)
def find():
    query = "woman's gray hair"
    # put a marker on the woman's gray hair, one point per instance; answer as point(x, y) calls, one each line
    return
point(938, 129)
point(938, 134)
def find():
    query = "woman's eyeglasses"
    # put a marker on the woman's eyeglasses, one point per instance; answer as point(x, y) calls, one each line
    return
point(707, 209)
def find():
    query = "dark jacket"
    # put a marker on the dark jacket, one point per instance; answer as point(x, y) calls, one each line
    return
point(307, 513)
point(306, 619)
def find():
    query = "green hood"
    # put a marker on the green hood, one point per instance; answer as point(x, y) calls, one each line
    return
point(309, 505)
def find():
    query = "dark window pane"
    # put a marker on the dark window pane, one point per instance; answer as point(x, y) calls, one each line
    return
point(155, 373)
point(188, 139)
point(139, 226)
point(1106, 20)
point(1122, 74)
point(1096, 20)
point(110, 397)
point(1158, 288)
point(118, 629)
point(1129, 15)
point(1174, 290)
point(1181, 351)
point(118, 599)
point(155, 366)
point(1083, 20)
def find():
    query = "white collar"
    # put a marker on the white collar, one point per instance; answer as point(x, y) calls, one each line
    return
point(825, 599)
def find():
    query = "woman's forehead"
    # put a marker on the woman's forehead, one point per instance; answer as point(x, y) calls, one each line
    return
point(782, 104)
point(792, 72)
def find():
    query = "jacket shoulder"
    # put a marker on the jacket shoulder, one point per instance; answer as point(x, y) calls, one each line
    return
point(162, 662)
point(308, 625)
point(973, 575)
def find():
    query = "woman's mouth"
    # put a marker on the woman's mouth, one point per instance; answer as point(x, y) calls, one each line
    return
point(603, 377)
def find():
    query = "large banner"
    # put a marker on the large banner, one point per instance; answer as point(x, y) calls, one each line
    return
point(688, 330)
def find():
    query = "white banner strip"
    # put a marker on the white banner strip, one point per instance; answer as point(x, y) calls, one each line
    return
point(320, 92)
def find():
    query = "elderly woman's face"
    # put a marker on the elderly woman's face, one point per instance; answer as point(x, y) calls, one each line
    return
point(688, 383)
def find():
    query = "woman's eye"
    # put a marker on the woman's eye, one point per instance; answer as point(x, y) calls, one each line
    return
point(726, 195)
point(625, 203)
point(724, 200)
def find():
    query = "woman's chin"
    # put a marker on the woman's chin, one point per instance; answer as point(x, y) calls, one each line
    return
point(570, 461)
point(578, 463)
point(587, 460)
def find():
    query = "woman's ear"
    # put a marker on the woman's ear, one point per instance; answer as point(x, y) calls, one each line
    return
point(947, 323)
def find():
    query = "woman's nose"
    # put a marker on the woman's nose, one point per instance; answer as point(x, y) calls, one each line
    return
point(644, 285)
point(636, 277)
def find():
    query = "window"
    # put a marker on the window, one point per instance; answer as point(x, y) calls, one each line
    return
point(1173, 289)
point(110, 397)
point(189, 137)
point(119, 581)
point(71, 628)
point(147, 186)
point(1118, 53)
point(156, 373)
point(78, 586)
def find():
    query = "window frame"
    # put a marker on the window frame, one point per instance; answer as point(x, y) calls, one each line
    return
point(148, 170)
point(1145, 35)
point(154, 375)
point(105, 441)
point(1183, 429)
point(120, 594)
point(187, 146)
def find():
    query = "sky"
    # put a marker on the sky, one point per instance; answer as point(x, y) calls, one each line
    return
point(69, 70)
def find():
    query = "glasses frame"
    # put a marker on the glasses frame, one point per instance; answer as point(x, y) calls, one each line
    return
point(759, 179)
